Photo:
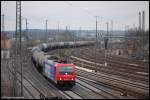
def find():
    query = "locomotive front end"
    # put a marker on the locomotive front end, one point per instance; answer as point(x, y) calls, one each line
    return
point(66, 74)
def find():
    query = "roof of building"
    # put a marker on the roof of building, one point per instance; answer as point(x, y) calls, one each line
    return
point(4, 36)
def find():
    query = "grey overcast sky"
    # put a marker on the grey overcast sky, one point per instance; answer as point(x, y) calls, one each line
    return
point(76, 14)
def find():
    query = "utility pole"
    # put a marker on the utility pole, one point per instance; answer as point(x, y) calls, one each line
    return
point(15, 57)
point(134, 27)
point(111, 35)
point(58, 27)
point(66, 28)
point(143, 31)
point(107, 27)
point(27, 27)
point(46, 31)
point(3, 23)
point(59, 50)
point(2, 31)
point(69, 27)
point(18, 43)
point(74, 37)
point(27, 36)
point(139, 21)
point(96, 30)
point(79, 33)
point(143, 21)
point(106, 43)
point(111, 26)
point(140, 51)
point(96, 41)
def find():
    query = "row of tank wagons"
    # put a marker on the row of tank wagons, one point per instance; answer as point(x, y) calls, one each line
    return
point(59, 73)
point(45, 47)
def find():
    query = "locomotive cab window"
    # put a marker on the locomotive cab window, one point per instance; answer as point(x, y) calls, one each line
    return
point(66, 70)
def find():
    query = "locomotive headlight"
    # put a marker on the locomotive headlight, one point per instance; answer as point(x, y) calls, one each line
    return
point(72, 79)
point(60, 78)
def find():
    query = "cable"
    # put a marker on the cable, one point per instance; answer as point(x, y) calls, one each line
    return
point(85, 10)
point(82, 10)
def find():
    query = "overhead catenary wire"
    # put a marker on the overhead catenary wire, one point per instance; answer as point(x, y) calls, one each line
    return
point(90, 13)
point(82, 9)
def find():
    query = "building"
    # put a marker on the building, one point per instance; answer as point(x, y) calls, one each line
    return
point(6, 42)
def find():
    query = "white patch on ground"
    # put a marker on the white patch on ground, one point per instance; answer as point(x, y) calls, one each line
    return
point(134, 64)
point(142, 73)
point(30, 48)
point(5, 54)
point(85, 69)
point(86, 61)
point(105, 64)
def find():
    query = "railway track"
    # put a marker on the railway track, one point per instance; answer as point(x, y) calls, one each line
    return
point(72, 95)
point(110, 71)
point(103, 94)
point(107, 92)
point(133, 89)
point(6, 79)
point(88, 54)
point(87, 91)
point(19, 80)
point(118, 69)
point(117, 80)
point(119, 58)
point(116, 60)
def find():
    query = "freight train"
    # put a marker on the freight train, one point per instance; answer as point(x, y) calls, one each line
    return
point(46, 47)
point(60, 72)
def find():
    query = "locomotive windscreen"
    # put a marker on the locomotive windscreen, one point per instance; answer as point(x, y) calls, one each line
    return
point(66, 70)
